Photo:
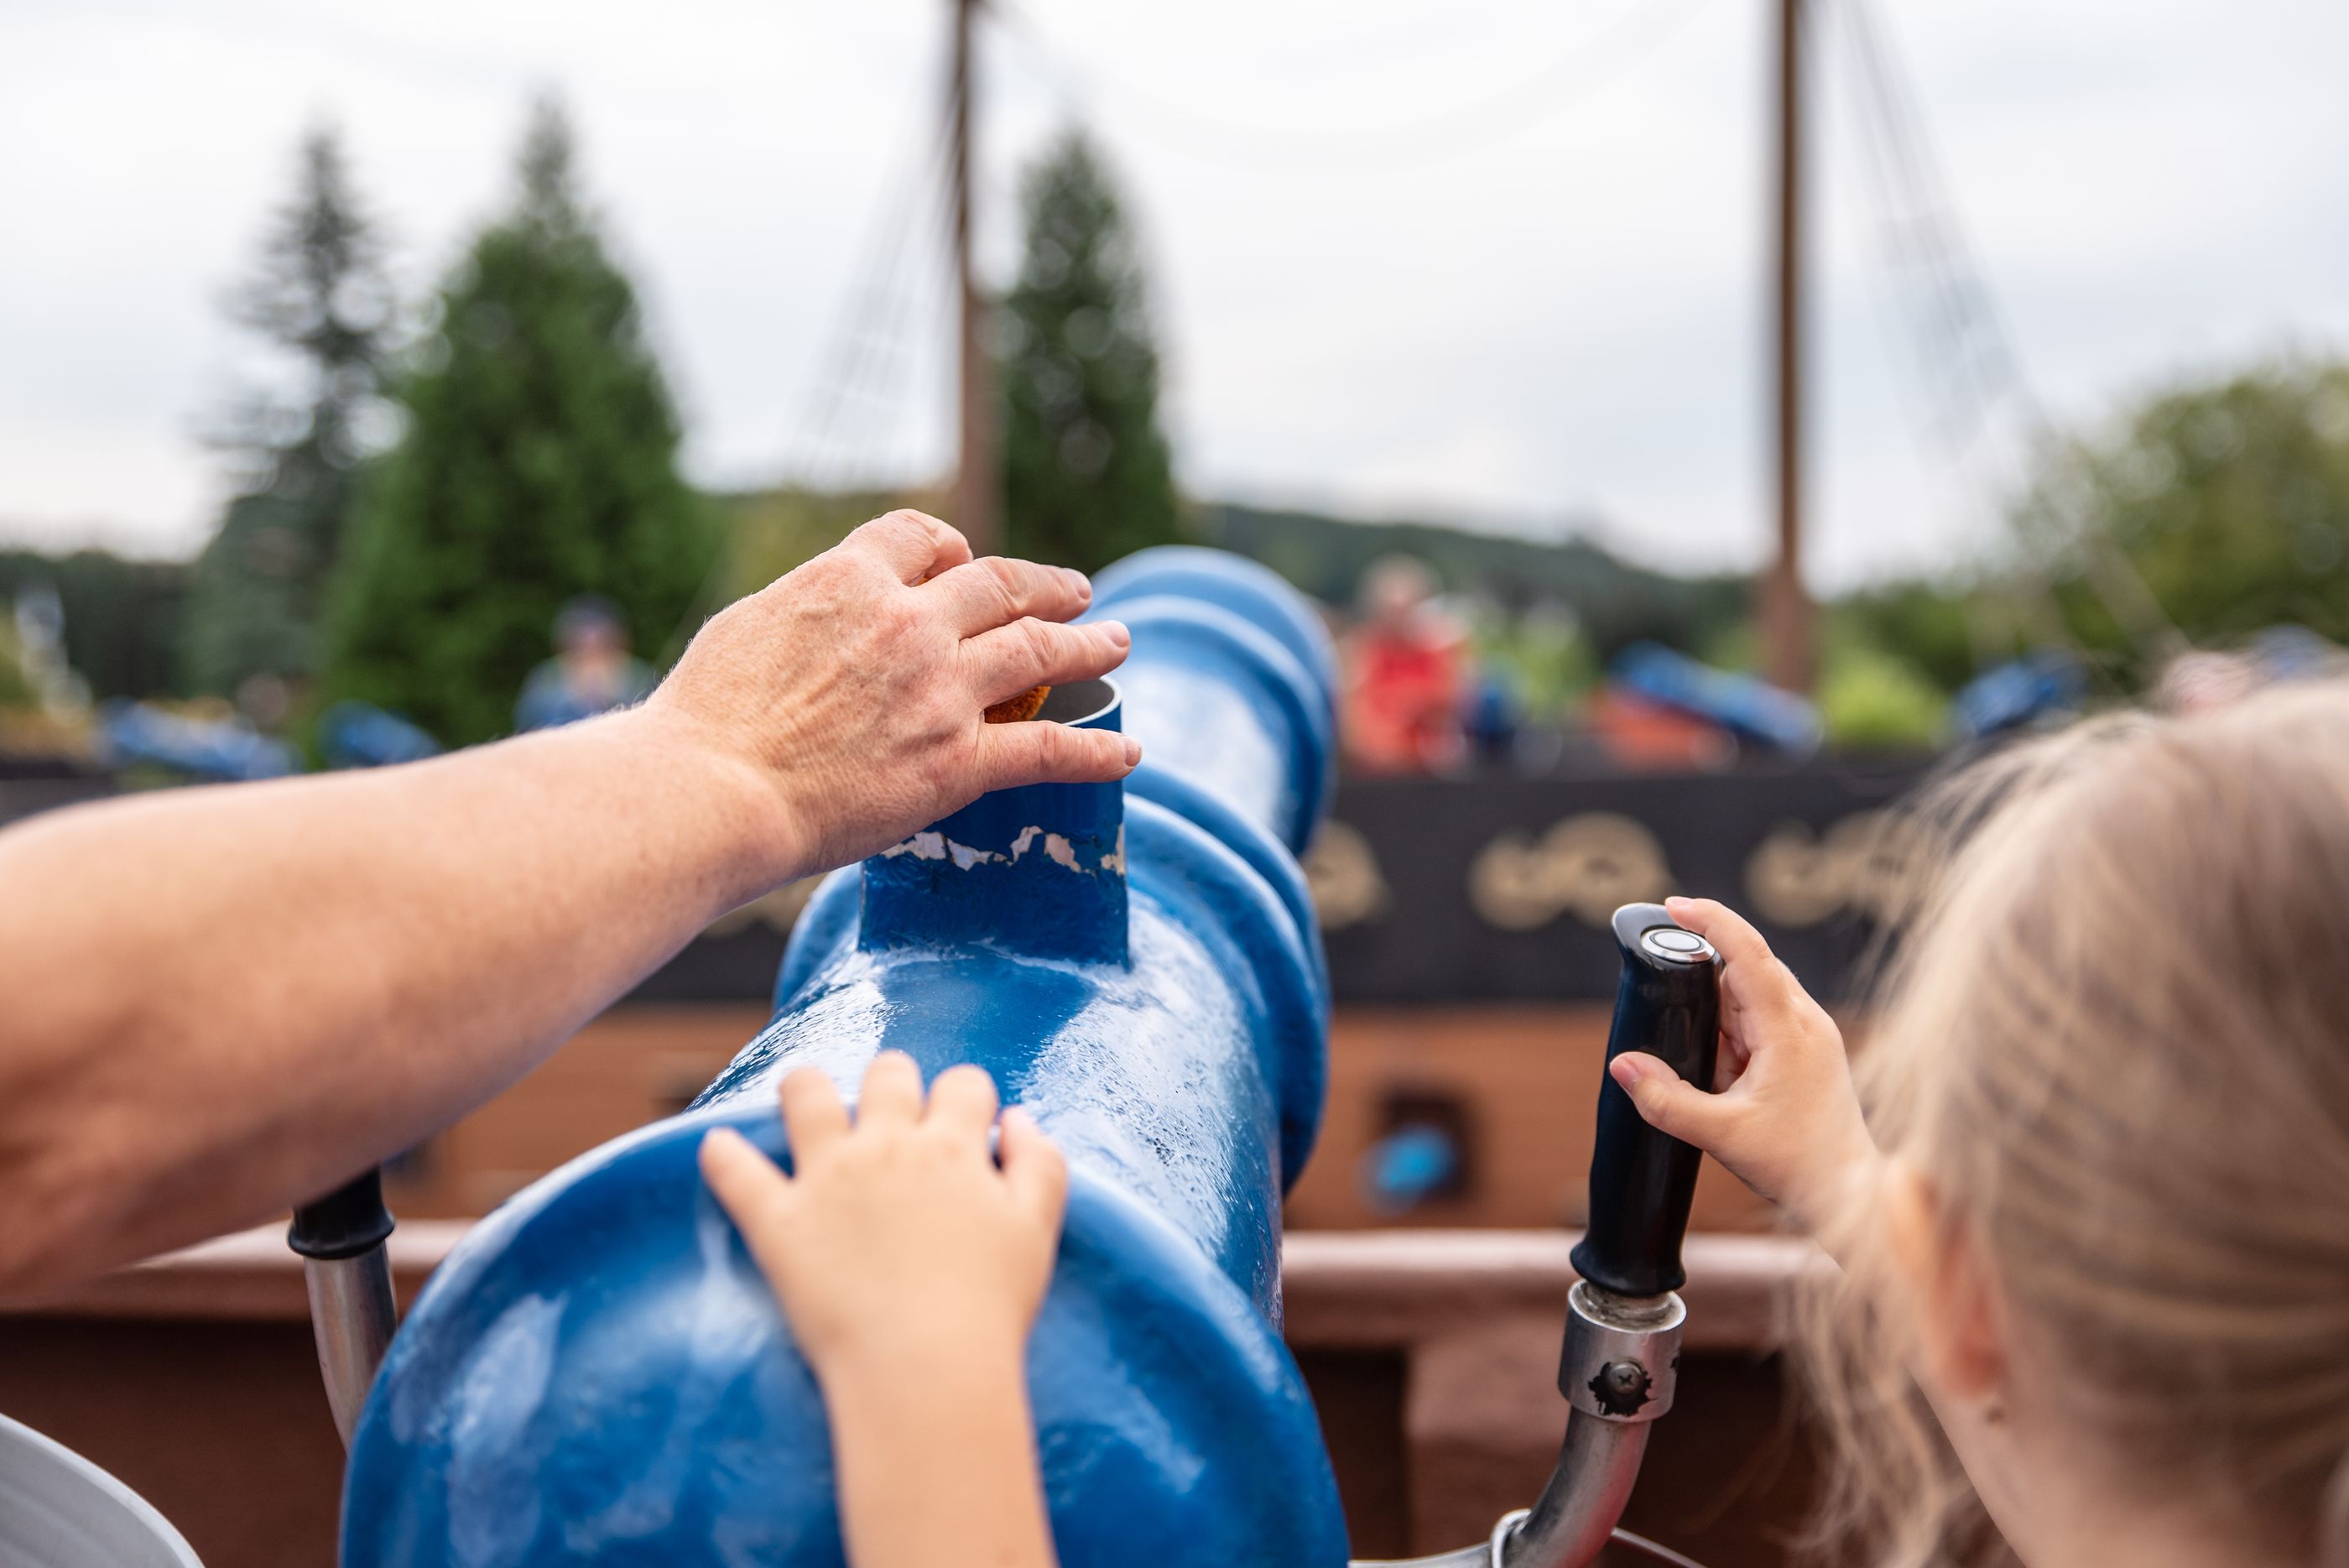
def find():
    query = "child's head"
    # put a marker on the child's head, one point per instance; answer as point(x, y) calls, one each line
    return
point(2112, 1068)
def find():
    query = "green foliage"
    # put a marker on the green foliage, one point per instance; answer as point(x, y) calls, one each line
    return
point(321, 297)
point(1730, 645)
point(1928, 625)
point(1873, 700)
point(1085, 468)
point(2228, 500)
point(123, 617)
point(769, 531)
point(1549, 662)
point(539, 463)
point(1873, 694)
point(15, 690)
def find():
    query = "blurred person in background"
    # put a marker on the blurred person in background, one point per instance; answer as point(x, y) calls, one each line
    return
point(592, 671)
point(2200, 679)
point(222, 1002)
point(1405, 670)
point(1494, 716)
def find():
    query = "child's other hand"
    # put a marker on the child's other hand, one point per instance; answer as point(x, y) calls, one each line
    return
point(1783, 1117)
point(897, 1241)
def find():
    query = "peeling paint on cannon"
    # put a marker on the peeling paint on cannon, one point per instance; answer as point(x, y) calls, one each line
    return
point(599, 1374)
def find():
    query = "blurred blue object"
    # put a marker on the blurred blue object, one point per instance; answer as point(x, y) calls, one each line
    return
point(2294, 653)
point(1406, 1166)
point(219, 750)
point(553, 697)
point(1745, 705)
point(1494, 716)
point(353, 734)
point(599, 1372)
point(2021, 691)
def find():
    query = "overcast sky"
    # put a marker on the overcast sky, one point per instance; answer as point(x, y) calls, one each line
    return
point(1495, 260)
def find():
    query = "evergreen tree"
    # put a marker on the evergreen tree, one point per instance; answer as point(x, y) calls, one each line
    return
point(125, 618)
point(539, 463)
point(321, 295)
point(1086, 475)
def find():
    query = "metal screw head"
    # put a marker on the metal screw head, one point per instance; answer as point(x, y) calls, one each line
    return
point(1620, 1387)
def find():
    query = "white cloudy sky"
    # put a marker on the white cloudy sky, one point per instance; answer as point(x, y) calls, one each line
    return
point(1492, 259)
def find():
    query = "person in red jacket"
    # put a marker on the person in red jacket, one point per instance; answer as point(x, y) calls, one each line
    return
point(1406, 664)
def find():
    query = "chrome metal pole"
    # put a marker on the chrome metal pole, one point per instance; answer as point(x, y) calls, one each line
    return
point(1618, 1372)
point(341, 1238)
point(352, 1318)
point(1569, 1525)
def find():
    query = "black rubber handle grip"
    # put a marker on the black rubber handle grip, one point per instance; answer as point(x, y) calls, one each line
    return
point(345, 1222)
point(1667, 1004)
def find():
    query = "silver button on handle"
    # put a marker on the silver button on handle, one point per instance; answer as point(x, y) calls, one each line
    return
point(1676, 946)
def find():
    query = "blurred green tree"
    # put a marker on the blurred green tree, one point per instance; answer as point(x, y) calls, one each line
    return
point(320, 295)
point(1086, 475)
point(15, 690)
point(539, 463)
point(1927, 623)
point(769, 532)
point(1873, 700)
point(2228, 500)
point(1542, 651)
point(124, 618)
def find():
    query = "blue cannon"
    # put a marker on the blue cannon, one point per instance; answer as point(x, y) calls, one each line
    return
point(599, 1373)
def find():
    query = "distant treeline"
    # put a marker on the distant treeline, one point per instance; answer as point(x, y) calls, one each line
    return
point(123, 617)
point(2198, 515)
point(1614, 601)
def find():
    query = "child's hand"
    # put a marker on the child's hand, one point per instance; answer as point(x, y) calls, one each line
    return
point(1784, 1119)
point(898, 1241)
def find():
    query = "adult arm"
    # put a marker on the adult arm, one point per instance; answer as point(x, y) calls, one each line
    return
point(217, 1003)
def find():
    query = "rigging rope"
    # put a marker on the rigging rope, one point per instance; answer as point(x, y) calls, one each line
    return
point(854, 364)
point(1593, 63)
point(1962, 335)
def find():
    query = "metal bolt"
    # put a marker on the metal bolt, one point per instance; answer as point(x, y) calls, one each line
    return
point(1620, 1387)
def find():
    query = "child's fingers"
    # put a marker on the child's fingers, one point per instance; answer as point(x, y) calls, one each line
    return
point(1667, 1103)
point(812, 1114)
point(1730, 932)
point(746, 1182)
point(1034, 1167)
point(962, 1101)
point(892, 1092)
point(1729, 1065)
point(1750, 973)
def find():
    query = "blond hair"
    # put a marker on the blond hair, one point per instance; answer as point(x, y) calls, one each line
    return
point(2115, 1041)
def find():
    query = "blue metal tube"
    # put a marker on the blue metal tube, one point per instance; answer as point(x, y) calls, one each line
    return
point(599, 1374)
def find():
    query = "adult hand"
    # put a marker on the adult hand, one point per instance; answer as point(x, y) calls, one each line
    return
point(849, 694)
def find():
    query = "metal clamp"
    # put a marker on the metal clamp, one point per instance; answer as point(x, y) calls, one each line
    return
point(1622, 1353)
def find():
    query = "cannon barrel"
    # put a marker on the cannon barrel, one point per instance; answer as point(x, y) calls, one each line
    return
point(599, 1374)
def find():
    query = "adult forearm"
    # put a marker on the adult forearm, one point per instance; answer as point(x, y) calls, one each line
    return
point(217, 1003)
point(221, 1000)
